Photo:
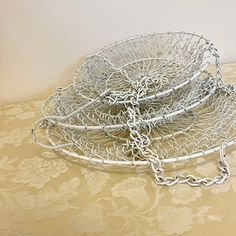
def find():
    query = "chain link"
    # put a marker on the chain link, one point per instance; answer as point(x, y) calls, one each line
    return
point(139, 142)
point(223, 168)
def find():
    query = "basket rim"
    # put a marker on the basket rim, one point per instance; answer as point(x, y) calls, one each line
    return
point(147, 35)
point(131, 163)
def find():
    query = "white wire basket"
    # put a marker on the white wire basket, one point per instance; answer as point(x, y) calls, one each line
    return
point(145, 101)
point(164, 62)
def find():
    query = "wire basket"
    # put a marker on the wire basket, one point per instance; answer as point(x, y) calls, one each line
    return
point(162, 62)
point(145, 101)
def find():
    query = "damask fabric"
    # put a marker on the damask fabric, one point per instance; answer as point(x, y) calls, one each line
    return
point(43, 193)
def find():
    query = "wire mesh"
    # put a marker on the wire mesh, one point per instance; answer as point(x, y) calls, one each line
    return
point(149, 100)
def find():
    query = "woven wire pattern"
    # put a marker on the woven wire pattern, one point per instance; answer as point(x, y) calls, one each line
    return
point(148, 100)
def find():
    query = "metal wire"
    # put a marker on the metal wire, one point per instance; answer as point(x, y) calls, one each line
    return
point(149, 100)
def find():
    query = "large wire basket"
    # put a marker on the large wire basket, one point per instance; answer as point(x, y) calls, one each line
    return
point(146, 101)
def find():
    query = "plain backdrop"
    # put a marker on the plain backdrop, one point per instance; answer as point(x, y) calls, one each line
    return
point(42, 41)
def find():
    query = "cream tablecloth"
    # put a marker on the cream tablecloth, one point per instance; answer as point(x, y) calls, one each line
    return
point(42, 193)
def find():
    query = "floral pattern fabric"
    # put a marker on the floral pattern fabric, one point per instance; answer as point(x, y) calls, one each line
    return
point(43, 193)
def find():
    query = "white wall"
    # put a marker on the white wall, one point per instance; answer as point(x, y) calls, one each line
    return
point(41, 41)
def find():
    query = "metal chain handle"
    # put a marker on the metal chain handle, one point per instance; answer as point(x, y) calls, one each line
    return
point(138, 142)
point(223, 168)
point(141, 142)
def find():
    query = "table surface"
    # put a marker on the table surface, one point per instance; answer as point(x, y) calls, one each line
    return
point(43, 193)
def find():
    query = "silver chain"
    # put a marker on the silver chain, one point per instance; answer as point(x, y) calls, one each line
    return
point(139, 142)
point(223, 168)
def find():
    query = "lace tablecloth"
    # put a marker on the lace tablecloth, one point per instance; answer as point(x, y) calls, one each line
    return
point(42, 193)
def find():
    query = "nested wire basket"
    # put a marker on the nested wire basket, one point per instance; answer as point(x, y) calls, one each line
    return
point(146, 101)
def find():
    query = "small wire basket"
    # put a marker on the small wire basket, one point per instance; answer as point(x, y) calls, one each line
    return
point(146, 101)
point(162, 62)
